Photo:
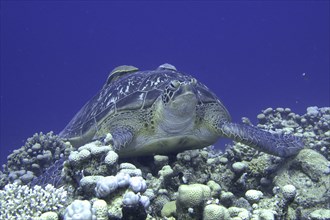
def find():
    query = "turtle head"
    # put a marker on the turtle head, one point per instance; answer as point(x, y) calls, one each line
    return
point(179, 105)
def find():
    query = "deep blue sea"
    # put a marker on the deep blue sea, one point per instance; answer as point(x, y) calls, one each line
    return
point(55, 55)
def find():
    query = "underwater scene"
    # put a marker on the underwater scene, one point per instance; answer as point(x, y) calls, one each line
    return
point(173, 110)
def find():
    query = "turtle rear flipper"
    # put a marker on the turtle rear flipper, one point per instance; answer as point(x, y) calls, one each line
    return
point(275, 144)
point(52, 175)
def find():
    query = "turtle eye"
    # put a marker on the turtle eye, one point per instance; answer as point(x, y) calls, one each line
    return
point(193, 81)
point(174, 84)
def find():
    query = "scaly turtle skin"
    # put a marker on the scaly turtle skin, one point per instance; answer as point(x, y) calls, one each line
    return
point(163, 111)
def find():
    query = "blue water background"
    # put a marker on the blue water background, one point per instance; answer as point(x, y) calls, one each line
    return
point(56, 55)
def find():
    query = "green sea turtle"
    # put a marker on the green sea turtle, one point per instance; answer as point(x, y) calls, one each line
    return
point(163, 111)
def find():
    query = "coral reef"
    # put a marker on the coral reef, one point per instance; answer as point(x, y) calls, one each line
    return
point(23, 202)
point(79, 209)
point(240, 183)
point(39, 152)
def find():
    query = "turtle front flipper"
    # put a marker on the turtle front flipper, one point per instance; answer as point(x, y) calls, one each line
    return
point(122, 137)
point(275, 144)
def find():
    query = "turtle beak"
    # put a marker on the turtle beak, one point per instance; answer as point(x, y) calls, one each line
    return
point(185, 99)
